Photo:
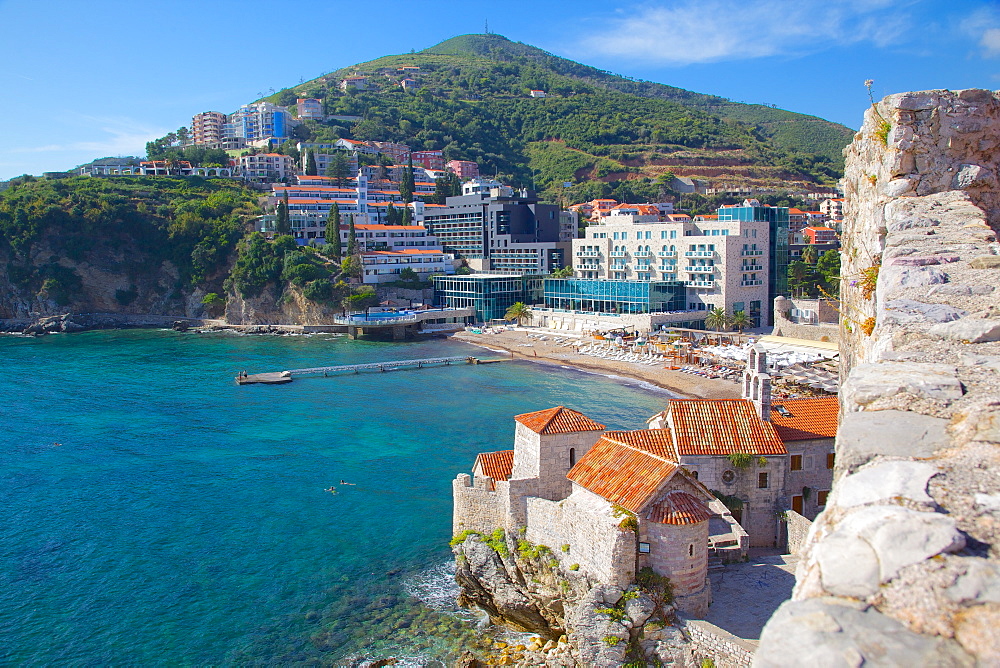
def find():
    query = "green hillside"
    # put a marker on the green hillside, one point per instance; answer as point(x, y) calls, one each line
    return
point(472, 101)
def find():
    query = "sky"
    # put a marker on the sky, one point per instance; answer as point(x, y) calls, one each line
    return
point(96, 78)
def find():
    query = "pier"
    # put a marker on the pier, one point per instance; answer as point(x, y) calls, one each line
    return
point(276, 378)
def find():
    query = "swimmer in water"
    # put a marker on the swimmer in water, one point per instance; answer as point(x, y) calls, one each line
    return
point(346, 483)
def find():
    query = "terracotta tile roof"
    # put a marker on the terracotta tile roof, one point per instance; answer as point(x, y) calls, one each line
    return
point(620, 473)
point(815, 417)
point(656, 442)
point(678, 507)
point(722, 427)
point(558, 420)
point(405, 251)
point(497, 465)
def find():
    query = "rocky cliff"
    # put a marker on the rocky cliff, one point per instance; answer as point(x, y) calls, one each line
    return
point(901, 568)
point(533, 588)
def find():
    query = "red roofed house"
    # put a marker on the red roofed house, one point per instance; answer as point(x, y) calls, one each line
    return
point(772, 456)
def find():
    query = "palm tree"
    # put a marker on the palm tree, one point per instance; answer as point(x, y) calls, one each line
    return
point(717, 319)
point(518, 311)
point(809, 254)
point(740, 320)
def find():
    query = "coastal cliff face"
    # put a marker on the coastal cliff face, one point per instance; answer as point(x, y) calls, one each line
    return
point(534, 589)
point(902, 566)
point(288, 308)
point(106, 282)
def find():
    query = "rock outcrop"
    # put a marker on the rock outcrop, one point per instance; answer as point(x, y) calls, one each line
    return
point(584, 623)
point(901, 568)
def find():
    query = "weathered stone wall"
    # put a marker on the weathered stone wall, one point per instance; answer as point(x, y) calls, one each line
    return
point(585, 522)
point(797, 527)
point(723, 648)
point(678, 551)
point(814, 474)
point(901, 568)
point(477, 507)
point(826, 328)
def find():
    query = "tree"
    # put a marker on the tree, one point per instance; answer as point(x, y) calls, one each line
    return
point(352, 238)
point(338, 168)
point(390, 215)
point(518, 311)
point(828, 268)
point(407, 184)
point(332, 233)
point(407, 216)
point(809, 254)
point(351, 266)
point(565, 272)
point(282, 224)
point(407, 274)
point(214, 302)
point(311, 163)
point(717, 319)
point(740, 320)
point(800, 277)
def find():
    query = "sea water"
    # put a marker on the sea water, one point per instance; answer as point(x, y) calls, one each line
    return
point(154, 512)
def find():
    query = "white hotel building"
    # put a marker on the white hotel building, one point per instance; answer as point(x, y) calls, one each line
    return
point(721, 264)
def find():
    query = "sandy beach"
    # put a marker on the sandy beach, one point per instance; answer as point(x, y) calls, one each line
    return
point(548, 352)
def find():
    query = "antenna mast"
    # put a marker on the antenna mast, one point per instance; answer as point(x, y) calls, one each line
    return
point(487, 29)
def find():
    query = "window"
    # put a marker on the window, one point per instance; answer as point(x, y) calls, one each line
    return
point(829, 460)
point(691, 549)
point(761, 481)
point(728, 477)
point(796, 463)
point(821, 498)
point(572, 457)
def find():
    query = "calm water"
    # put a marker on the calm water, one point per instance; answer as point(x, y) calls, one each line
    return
point(153, 512)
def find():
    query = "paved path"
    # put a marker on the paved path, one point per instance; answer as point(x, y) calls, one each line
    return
point(744, 596)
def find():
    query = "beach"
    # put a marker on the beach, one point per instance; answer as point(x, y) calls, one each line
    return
point(525, 345)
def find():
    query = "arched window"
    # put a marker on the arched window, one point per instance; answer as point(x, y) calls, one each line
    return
point(756, 389)
point(572, 457)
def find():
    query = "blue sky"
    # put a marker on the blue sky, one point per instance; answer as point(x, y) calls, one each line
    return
point(86, 79)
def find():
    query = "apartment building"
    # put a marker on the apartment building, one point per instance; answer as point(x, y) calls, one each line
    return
point(309, 108)
point(428, 159)
point(207, 127)
point(463, 169)
point(267, 167)
point(259, 122)
point(495, 228)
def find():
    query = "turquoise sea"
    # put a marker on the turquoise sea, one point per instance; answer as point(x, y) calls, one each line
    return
point(154, 512)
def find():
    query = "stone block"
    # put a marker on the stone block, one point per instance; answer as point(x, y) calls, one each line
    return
point(960, 290)
point(826, 633)
point(884, 482)
point(985, 262)
point(893, 277)
point(869, 382)
point(902, 311)
point(973, 176)
point(866, 435)
point(973, 330)
point(848, 565)
point(979, 584)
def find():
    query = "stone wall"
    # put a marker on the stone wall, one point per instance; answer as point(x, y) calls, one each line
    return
point(723, 648)
point(826, 327)
point(477, 507)
point(901, 567)
point(584, 521)
point(797, 527)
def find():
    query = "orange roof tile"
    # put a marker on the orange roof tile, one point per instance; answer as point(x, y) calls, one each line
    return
point(722, 427)
point(678, 507)
point(405, 251)
point(622, 473)
point(497, 465)
point(814, 417)
point(558, 420)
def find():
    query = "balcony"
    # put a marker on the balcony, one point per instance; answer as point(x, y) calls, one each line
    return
point(747, 284)
point(588, 266)
point(699, 284)
point(619, 254)
point(751, 253)
point(667, 253)
point(587, 253)
point(699, 253)
point(751, 267)
point(700, 270)
point(643, 253)
point(668, 267)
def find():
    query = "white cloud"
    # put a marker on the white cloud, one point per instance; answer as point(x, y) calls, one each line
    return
point(693, 31)
point(101, 136)
point(983, 26)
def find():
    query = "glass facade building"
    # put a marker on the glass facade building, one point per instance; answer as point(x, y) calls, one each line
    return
point(490, 295)
point(614, 296)
point(777, 218)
